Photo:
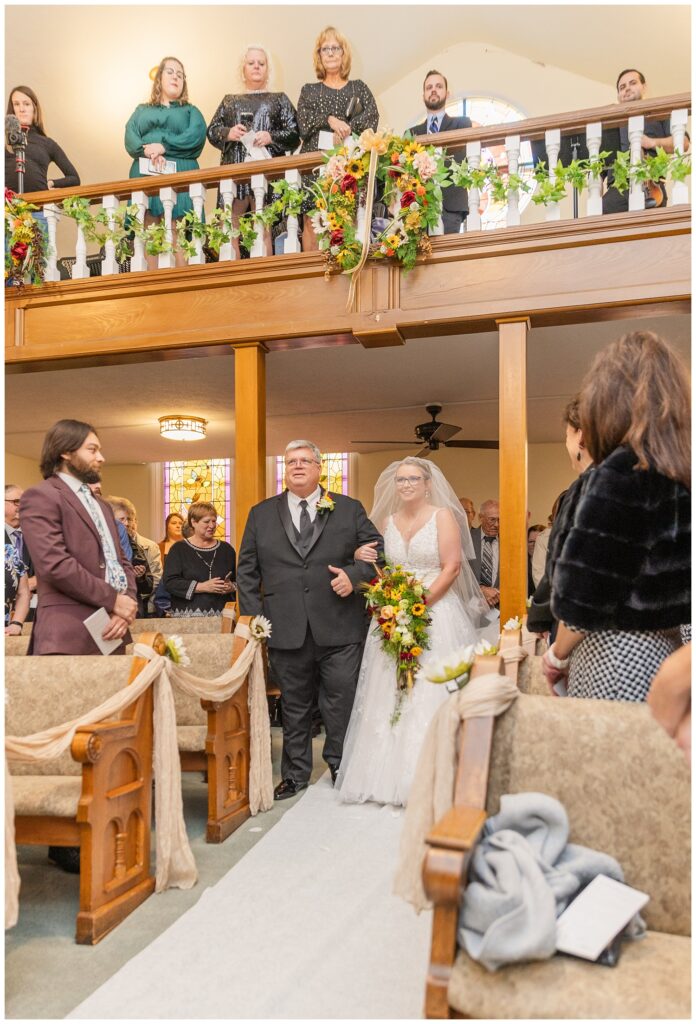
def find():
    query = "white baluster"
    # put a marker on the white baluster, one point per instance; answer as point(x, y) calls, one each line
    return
point(228, 192)
point(80, 268)
point(138, 261)
point(636, 127)
point(593, 134)
point(259, 186)
point(197, 193)
point(109, 264)
point(677, 126)
point(292, 242)
point(439, 227)
point(512, 148)
point(473, 156)
point(168, 198)
point(51, 273)
point(553, 148)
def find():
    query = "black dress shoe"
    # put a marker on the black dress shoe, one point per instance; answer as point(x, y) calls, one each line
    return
point(67, 858)
point(288, 788)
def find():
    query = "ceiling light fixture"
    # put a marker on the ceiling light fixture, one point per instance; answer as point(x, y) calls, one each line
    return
point(182, 428)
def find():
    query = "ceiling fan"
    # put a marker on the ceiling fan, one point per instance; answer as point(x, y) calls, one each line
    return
point(431, 435)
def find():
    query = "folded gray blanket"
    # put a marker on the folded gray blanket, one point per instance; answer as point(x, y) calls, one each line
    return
point(522, 876)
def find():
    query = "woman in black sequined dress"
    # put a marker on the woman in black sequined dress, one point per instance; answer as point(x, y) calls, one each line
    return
point(333, 104)
point(270, 115)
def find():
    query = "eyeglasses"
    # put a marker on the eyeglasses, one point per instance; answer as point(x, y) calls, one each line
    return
point(12, 501)
point(290, 463)
point(491, 519)
point(328, 50)
point(408, 481)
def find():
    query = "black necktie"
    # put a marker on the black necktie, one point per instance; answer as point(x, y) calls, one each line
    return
point(487, 561)
point(305, 524)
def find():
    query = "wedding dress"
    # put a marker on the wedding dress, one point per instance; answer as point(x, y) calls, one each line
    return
point(379, 759)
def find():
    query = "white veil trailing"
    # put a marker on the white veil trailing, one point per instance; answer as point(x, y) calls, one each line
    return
point(387, 501)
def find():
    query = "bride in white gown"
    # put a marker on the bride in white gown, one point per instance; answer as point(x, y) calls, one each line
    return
point(425, 530)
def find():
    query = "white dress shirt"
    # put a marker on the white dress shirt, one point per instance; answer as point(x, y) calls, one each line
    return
point(296, 511)
point(74, 484)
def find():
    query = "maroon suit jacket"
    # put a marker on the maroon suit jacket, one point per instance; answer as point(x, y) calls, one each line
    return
point(70, 567)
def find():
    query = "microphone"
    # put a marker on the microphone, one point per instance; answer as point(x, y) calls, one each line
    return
point(14, 135)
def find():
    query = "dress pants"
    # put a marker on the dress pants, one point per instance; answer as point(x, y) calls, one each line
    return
point(335, 669)
point(452, 221)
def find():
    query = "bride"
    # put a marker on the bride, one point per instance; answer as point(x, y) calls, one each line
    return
point(426, 531)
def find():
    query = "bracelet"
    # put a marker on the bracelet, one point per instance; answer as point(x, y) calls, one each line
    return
point(13, 622)
point(558, 663)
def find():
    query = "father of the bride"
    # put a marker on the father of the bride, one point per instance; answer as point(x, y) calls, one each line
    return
point(296, 567)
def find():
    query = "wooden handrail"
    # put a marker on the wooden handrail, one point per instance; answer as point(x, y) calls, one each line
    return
point(532, 128)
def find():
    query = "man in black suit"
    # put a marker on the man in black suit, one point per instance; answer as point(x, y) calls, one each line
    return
point(296, 566)
point(486, 561)
point(455, 202)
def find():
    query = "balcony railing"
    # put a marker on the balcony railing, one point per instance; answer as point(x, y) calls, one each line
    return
point(225, 180)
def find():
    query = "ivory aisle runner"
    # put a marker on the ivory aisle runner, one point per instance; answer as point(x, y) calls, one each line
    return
point(304, 926)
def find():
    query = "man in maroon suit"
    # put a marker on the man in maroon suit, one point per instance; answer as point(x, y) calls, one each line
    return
point(75, 547)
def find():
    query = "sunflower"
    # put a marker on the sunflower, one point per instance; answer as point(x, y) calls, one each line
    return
point(355, 168)
point(413, 219)
point(333, 221)
point(418, 610)
point(320, 204)
point(394, 241)
point(411, 148)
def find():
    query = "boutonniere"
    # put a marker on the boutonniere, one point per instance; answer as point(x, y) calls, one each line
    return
point(325, 504)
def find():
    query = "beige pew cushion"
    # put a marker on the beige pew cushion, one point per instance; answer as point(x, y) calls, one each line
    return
point(56, 795)
point(651, 980)
point(191, 737)
point(16, 645)
point(530, 678)
point(186, 624)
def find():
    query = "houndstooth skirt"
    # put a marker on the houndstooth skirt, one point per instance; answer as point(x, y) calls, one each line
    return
point(617, 665)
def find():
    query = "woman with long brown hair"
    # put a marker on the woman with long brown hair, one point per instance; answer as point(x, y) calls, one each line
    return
point(619, 557)
point(41, 151)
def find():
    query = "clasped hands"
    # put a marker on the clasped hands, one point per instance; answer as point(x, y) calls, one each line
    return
point(154, 151)
point(216, 585)
point(125, 610)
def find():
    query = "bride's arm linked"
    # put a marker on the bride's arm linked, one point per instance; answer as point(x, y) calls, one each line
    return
point(449, 543)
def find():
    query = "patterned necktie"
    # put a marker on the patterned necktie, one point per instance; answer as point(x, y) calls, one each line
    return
point(487, 561)
point(434, 125)
point(115, 576)
point(305, 524)
point(18, 542)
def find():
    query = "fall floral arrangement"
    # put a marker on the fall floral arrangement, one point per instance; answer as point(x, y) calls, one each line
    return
point(396, 600)
point(26, 244)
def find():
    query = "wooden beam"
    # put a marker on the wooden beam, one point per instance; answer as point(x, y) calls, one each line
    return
point(512, 411)
point(380, 337)
point(250, 431)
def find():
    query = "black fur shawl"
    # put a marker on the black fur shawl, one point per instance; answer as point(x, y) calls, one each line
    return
point(619, 553)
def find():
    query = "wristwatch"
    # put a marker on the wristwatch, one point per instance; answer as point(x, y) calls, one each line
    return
point(558, 663)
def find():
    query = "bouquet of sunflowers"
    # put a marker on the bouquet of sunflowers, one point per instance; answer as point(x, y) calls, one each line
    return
point(396, 600)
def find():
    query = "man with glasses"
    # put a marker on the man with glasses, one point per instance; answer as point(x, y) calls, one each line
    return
point(15, 537)
point(486, 563)
point(297, 567)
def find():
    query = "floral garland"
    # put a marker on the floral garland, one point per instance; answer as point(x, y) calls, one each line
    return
point(26, 244)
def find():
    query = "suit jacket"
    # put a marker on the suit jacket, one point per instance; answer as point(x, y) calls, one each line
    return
point(70, 567)
point(292, 589)
point(475, 562)
point(454, 199)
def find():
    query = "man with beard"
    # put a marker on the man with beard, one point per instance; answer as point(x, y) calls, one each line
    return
point(455, 201)
point(75, 547)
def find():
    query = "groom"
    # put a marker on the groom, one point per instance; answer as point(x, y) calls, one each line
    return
point(296, 567)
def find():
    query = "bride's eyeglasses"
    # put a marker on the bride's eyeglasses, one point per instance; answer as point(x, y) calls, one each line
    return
point(408, 481)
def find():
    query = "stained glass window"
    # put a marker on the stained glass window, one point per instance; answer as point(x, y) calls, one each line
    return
point(334, 472)
point(485, 110)
point(199, 480)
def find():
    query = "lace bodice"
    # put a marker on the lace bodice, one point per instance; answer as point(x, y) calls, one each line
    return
point(421, 555)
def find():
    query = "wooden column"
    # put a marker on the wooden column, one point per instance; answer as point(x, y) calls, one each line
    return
point(250, 431)
point(512, 465)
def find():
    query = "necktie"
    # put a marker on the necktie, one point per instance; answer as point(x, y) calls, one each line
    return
point(18, 542)
point(434, 125)
point(115, 576)
point(305, 524)
point(487, 561)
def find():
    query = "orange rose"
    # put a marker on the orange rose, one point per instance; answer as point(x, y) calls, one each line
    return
point(420, 190)
point(416, 651)
point(388, 612)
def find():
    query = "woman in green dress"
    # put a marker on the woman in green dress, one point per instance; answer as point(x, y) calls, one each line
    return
point(166, 128)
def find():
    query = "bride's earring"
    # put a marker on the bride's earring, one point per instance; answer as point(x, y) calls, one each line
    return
point(427, 494)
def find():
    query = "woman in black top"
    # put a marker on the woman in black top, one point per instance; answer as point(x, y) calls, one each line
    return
point(200, 571)
point(41, 151)
point(270, 115)
point(619, 552)
point(333, 104)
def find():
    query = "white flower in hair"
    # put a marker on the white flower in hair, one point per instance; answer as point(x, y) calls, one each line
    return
point(260, 627)
point(176, 651)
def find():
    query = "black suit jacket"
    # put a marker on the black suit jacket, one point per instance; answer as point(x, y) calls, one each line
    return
point(293, 589)
point(454, 199)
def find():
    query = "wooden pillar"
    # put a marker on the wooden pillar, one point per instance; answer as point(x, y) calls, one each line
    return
point(512, 412)
point(250, 431)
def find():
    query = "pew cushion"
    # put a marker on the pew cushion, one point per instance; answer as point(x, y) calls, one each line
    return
point(186, 624)
point(191, 737)
point(530, 678)
point(56, 795)
point(16, 645)
point(651, 980)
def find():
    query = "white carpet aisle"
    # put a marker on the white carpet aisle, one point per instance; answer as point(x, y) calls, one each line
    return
point(304, 926)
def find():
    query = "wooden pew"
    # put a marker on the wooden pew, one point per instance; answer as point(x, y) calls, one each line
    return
point(98, 795)
point(625, 786)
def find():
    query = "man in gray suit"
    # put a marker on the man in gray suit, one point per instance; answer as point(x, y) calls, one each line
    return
point(296, 566)
point(486, 563)
point(455, 201)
